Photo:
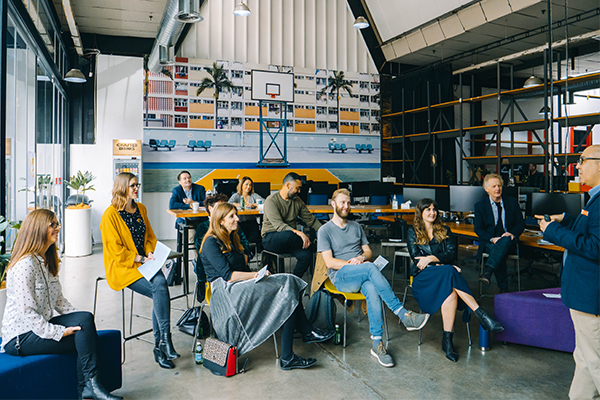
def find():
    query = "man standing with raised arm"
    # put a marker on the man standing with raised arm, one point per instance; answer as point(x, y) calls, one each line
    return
point(346, 253)
point(279, 226)
point(498, 225)
point(580, 286)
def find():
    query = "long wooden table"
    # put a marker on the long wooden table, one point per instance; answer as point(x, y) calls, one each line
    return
point(183, 229)
point(528, 239)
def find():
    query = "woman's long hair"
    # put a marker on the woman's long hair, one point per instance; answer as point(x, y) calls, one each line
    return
point(33, 238)
point(240, 189)
point(439, 231)
point(217, 230)
point(120, 190)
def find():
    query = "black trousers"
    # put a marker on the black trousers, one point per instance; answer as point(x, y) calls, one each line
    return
point(289, 242)
point(497, 260)
point(83, 342)
point(296, 321)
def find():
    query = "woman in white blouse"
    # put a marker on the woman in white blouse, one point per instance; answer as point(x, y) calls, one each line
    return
point(29, 326)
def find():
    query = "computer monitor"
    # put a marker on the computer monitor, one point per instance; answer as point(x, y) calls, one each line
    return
point(360, 189)
point(324, 188)
point(262, 188)
point(510, 191)
point(381, 188)
point(225, 186)
point(442, 198)
point(463, 198)
point(416, 194)
point(556, 203)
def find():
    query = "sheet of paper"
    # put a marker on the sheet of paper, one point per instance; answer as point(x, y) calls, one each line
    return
point(261, 274)
point(151, 267)
point(552, 295)
point(381, 263)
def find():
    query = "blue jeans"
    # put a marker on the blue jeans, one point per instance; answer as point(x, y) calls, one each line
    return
point(158, 290)
point(367, 279)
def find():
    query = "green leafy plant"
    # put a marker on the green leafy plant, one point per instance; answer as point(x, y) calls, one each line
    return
point(218, 81)
point(6, 225)
point(336, 83)
point(81, 183)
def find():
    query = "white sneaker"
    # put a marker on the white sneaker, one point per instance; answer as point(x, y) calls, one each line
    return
point(382, 356)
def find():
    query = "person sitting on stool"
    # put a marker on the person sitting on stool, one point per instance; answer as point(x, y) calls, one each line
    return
point(279, 226)
point(184, 195)
point(498, 225)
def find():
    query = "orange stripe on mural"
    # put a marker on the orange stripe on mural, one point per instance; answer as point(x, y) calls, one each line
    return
point(275, 176)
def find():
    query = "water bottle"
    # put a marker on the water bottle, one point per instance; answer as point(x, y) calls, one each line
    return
point(242, 205)
point(337, 338)
point(198, 353)
point(395, 202)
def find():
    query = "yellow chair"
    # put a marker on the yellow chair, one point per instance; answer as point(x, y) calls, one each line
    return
point(410, 283)
point(328, 285)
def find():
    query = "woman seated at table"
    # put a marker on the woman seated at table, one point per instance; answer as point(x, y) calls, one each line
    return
point(248, 224)
point(437, 282)
point(34, 293)
point(128, 242)
point(245, 313)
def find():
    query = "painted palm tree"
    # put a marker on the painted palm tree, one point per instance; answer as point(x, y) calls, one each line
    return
point(218, 81)
point(336, 83)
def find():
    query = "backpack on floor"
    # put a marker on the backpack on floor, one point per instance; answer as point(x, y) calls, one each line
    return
point(321, 310)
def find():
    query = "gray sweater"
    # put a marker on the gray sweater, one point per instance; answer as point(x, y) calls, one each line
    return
point(280, 215)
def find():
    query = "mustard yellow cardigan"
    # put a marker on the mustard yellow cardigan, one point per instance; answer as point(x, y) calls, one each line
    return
point(119, 250)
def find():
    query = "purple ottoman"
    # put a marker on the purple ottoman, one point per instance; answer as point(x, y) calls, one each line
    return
point(532, 319)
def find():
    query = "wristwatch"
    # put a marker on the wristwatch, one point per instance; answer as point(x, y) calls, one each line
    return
point(142, 259)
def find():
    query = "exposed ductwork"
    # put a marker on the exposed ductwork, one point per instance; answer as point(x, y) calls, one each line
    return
point(73, 27)
point(163, 50)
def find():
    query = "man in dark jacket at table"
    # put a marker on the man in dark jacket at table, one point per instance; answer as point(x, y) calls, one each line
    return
point(498, 225)
point(580, 281)
point(279, 226)
point(183, 195)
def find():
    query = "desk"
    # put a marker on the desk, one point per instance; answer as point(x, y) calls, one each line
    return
point(183, 229)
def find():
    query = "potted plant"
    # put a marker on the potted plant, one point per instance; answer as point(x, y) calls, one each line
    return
point(78, 217)
point(5, 225)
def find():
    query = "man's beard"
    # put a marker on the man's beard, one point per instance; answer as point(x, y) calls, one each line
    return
point(292, 194)
point(341, 213)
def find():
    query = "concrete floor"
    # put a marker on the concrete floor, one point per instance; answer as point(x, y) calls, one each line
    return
point(421, 372)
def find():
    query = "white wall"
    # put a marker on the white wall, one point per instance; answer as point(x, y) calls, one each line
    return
point(312, 34)
point(119, 94)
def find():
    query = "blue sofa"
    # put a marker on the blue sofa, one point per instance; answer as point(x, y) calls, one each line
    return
point(54, 376)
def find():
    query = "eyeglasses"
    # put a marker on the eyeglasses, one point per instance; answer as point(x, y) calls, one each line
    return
point(56, 225)
point(583, 159)
point(135, 185)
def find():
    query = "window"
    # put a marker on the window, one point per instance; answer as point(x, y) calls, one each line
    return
point(375, 99)
point(364, 113)
point(321, 124)
point(237, 90)
point(344, 109)
point(374, 113)
point(236, 105)
point(364, 85)
point(250, 119)
point(354, 110)
point(180, 102)
point(222, 105)
point(181, 86)
point(290, 123)
point(321, 110)
point(196, 68)
point(181, 119)
point(208, 101)
point(332, 125)
point(299, 77)
point(298, 107)
point(195, 84)
point(364, 127)
point(237, 74)
point(247, 72)
point(364, 98)
point(194, 117)
point(375, 86)
point(321, 81)
point(208, 118)
point(290, 108)
point(332, 111)
point(251, 104)
point(375, 127)
point(310, 107)
point(236, 121)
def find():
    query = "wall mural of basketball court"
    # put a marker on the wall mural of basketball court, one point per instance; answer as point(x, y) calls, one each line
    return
point(297, 135)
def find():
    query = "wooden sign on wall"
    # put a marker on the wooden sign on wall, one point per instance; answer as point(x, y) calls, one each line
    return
point(127, 148)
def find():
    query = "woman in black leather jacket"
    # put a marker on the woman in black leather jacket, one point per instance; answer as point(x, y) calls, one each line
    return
point(437, 283)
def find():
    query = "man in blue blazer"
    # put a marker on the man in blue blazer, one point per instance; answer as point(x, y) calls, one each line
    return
point(186, 193)
point(498, 225)
point(580, 237)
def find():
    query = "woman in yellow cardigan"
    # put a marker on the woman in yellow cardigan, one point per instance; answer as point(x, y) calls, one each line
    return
point(128, 242)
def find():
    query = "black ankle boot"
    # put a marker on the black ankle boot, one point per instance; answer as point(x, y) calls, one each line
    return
point(448, 346)
point(162, 360)
point(166, 346)
point(488, 323)
point(94, 390)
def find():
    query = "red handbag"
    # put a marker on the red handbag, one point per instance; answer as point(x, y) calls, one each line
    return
point(220, 358)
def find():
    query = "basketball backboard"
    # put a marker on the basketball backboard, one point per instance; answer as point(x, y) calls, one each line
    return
point(272, 86)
